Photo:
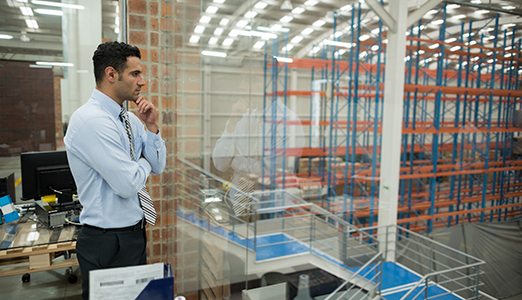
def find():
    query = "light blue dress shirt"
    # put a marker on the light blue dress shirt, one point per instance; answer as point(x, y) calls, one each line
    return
point(98, 152)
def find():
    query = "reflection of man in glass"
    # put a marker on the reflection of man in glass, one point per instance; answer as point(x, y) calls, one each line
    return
point(248, 131)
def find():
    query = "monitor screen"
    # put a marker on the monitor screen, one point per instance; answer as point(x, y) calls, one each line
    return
point(46, 173)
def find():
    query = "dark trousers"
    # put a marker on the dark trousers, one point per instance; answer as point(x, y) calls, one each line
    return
point(101, 249)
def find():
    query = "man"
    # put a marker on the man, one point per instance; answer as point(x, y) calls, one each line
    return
point(245, 138)
point(99, 152)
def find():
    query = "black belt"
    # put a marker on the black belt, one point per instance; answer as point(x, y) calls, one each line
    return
point(129, 228)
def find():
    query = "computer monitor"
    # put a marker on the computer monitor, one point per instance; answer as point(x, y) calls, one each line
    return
point(47, 173)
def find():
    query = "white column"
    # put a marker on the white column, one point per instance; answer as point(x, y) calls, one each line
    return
point(82, 34)
point(392, 127)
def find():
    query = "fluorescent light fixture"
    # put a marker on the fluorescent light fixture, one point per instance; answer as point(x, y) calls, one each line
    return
point(455, 48)
point(375, 47)
point(211, 9)
point(259, 44)
point(26, 11)
point(264, 35)
point(364, 37)
point(472, 42)
point(227, 42)
point(509, 33)
point(284, 59)
point(431, 12)
point(298, 10)
point(260, 5)
point(311, 2)
point(51, 12)
point(375, 31)
point(233, 33)
point(23, 1)
point(40, 67)
point(297, 39)
point(194, 39)
point(422, 51)
point(218, 31)
point(58, 64)
point(224, 22)
point(287, 48)
point(450, 40)
point(434, 46)
point(5, 37)
point(476, 1)
point(491, 37)
point(199, 29)
point(346, 7)
point(482, 11)
point(453, 6)
point(437, 22)
point(337, 44)
point(250, 14)
point(216, 54)
point(508, 7)
point(57, 4)
point(315, 49)
point(219, 1)
point(508, 25)
point(319, 23)
point(286, 19)
point(276, 27)
point(459, 16)
point(205, 19)
point(213, 40)
point(82, 71)
point(307, 31)
point(242, 23)
point(31, 23)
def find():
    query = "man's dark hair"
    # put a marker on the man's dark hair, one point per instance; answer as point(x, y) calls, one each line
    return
point(112, 54)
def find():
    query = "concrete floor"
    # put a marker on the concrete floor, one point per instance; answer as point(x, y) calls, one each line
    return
point(43, 285)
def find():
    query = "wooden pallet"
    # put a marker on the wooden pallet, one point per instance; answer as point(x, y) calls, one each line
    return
point(40, 258)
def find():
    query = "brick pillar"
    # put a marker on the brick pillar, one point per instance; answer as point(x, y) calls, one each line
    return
point(161, 30)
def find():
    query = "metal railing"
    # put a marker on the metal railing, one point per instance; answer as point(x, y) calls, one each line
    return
point(441, 270)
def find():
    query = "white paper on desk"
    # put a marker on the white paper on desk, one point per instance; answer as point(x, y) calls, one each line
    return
point(122, 283)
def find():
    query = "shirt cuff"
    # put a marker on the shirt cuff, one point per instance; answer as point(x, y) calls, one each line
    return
point(154, 138)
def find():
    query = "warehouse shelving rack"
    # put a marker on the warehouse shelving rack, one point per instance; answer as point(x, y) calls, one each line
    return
point(460, 157)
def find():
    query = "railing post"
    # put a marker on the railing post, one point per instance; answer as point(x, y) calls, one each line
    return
point(386, 245)
point(345, 244)
point(426, 289)
point(477, 282)
point(311, 227)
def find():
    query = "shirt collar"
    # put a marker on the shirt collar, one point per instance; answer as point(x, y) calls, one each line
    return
point(109, 105)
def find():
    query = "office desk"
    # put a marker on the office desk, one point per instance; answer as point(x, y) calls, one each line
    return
point(29, 241)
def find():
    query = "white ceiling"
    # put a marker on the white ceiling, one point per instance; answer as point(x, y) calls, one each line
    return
point(47, 39)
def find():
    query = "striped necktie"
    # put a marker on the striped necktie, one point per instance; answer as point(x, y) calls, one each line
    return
point(143, 194)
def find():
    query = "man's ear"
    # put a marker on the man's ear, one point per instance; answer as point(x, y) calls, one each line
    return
point(111, 74)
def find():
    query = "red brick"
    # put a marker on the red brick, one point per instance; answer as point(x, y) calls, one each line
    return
point(154, 24)
point(166, 9)
point(154, 71)
point(143, 54)
point(166, 24)
point(137, 22)
point(153, 8)
point(154, 55)
point(154, 86)
point(153, 39)
point(137, 6)
point(137, 38)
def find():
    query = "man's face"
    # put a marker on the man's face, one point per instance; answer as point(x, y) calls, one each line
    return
point(129, 83)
